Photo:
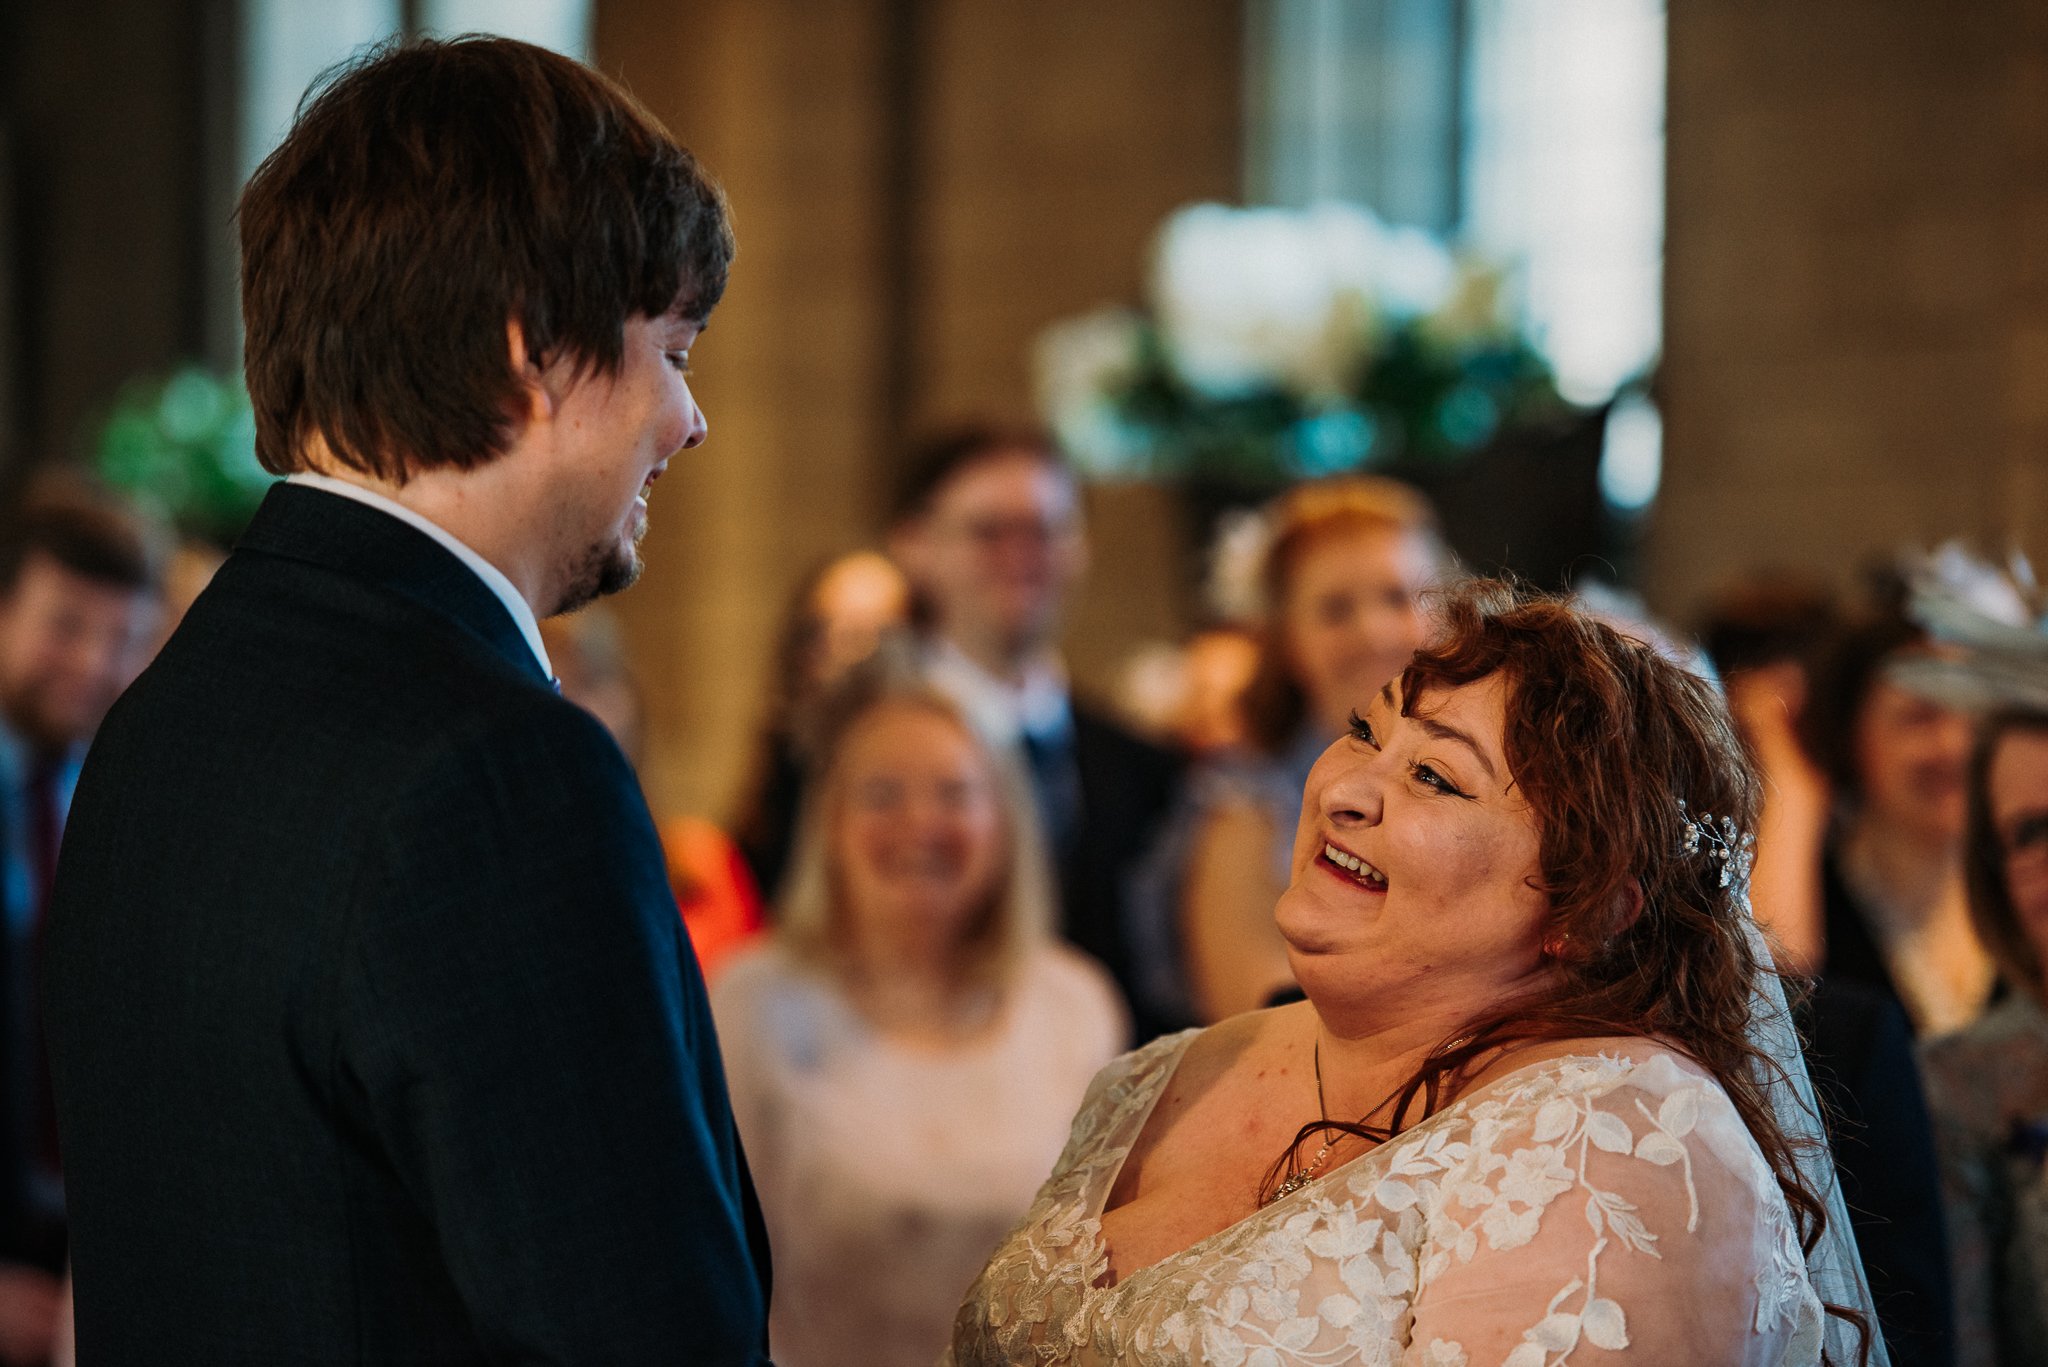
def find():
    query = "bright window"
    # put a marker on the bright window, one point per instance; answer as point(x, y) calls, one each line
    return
point(1530, 130)
point(286, 43)
point(1563, 175)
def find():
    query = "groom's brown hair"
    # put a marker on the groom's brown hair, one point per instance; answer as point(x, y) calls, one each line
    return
point(429, 194)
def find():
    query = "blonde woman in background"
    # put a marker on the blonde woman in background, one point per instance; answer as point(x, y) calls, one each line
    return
point(1342, 578)
point(906, 1048)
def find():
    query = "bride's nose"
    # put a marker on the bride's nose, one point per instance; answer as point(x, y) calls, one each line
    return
point(1353, 792)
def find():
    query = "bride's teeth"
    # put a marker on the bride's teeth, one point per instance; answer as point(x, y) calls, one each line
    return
point(1353, 864)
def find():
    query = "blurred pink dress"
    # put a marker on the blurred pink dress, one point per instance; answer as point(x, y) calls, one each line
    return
point(888, 1172)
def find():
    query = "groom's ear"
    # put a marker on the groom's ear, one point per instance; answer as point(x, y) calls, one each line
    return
point(537, 396)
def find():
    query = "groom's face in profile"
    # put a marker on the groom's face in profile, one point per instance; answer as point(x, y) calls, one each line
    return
point(619, 432)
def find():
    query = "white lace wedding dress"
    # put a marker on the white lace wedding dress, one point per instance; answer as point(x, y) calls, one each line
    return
point(1578, 1210)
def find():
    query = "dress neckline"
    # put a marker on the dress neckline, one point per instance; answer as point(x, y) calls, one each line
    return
point(1164, 1072)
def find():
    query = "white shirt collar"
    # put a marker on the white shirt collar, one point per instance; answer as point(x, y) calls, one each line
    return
point(1004, 712)
point(493, 577)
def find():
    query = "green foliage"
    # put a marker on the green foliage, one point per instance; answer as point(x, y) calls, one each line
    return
point(1419, 400)
point(185, 446)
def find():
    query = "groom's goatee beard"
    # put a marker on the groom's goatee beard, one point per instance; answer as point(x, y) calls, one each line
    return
point(606, 568)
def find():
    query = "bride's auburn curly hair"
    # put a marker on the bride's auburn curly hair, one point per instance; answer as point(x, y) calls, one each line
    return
point(1617, 748)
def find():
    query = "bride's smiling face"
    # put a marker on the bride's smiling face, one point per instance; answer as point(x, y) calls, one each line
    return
point(1417, 861)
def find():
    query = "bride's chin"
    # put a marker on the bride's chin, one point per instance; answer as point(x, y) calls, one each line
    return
point(1312, 947)
point(1307, 930)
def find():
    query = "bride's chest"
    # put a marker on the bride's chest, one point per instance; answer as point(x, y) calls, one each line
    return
point(1196, 1161)
point(1153, 1226)
point(1179, 1188)
point(1335, 1266)
point(1328, 1273)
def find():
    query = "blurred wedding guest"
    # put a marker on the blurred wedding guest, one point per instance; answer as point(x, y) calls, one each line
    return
point(1894, 913)
point(64, 1350)
point(1219, 664)
point(839, 613)
point(988, 528)
point(713, 887)
point(714, 890)
point(79, 602)
point(905, 1050)
point(1191, 696)
point(588, 651)
point(1763, 635)
point(1341, 580)
point(1988, 1083)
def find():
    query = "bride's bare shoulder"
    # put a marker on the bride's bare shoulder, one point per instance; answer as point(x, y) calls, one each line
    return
point(1250, 1038)
point(1250, 1028)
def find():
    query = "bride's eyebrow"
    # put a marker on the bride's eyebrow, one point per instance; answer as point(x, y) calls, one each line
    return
point(1442, 731)
point(1452, 733)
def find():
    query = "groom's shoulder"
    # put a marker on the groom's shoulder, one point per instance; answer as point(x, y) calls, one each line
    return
point(276, 632)
point(514, 743)
point(268, 614)
point(288, 686)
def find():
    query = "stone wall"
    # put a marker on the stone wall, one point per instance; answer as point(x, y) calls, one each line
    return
point(919, 186)
point(1856, 285)
point(113, 178)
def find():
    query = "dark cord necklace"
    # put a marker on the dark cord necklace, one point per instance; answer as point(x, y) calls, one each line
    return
point(1297, 1178)
point(1333, 1133)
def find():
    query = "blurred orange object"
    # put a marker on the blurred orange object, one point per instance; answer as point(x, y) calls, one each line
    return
point(720, 906)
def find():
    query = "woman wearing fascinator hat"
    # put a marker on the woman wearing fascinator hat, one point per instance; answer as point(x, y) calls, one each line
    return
point(1541, 1103)
point(1987, 1084)
point(1894, 916)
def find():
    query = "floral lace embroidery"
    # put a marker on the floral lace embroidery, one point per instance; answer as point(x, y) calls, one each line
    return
point(1333, 1273)
point(1567, 1128)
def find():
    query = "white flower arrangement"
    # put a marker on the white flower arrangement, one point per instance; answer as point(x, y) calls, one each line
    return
point(1282, 342)
point(1279, 298)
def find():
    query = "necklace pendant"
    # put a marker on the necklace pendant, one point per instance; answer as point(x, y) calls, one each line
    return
point(1293, 1182)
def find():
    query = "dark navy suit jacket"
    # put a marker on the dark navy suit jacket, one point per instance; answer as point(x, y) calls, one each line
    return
point(375, 1031)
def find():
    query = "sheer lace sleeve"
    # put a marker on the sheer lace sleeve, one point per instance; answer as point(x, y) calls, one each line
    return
point(1620, 1217)
point(1123, 1084)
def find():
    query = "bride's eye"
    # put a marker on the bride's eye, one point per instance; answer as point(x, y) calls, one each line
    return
point(1428, 777)
point(1361, 731)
